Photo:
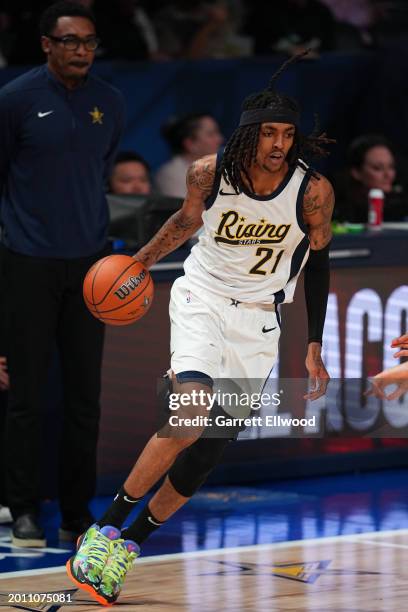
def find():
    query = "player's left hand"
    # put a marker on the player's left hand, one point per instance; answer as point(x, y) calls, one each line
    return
point(318, 374)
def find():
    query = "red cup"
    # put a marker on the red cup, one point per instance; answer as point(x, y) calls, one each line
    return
point(375, 209)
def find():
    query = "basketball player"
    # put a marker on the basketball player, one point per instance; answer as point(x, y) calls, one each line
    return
point(266, 216)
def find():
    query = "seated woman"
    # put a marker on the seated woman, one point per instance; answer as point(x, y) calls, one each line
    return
point(371, 165)
point(190, 137)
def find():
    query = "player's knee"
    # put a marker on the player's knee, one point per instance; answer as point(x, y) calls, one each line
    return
point(179, 444)
point(191, 468)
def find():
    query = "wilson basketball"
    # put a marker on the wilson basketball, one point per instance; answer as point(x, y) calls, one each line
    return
point(118, 290)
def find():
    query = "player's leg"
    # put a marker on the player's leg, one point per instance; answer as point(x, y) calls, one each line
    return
point(251, 352)
point(196, 347)
point(103, 540)
point(248, 358)
point(186, 475)
point(31, 330)
point(188, 472)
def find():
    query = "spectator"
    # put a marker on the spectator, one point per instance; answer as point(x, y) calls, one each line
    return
point(190, 29)
point(189, 137)
point(290, 26)
point(19, 31)
point(55, 219)
point(130, 175)
point(354, 22)
point(371, 165)
point(126, 30)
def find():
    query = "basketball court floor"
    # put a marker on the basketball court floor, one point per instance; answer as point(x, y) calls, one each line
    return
point(320, 544)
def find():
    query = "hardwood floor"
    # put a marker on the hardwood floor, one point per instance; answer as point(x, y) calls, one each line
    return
point(366, 572)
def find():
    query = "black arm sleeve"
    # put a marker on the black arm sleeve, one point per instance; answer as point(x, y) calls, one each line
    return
point(317, 282)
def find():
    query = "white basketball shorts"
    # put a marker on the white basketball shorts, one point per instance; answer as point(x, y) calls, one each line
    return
point(219, 336)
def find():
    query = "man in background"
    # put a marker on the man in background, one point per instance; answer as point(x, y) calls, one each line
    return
point(60, 129)
point(130, 175)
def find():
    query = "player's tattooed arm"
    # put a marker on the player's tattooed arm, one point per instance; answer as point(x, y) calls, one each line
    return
point(186, 221)
point(318, 204)
point(200, 177)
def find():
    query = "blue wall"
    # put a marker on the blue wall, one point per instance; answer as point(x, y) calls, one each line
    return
point(335, 87)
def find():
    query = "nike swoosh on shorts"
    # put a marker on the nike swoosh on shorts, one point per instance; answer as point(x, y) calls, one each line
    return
point(265, 330)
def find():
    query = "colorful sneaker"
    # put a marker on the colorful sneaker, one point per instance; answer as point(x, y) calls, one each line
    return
point(93, 550)
point(123, 556)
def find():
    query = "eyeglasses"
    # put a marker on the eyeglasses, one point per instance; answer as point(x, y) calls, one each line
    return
point(72, 43)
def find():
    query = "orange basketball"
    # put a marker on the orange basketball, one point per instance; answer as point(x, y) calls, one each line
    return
point(118, 290)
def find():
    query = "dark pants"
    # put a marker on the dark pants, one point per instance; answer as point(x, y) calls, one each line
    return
point(3, 408)
point(45, 306)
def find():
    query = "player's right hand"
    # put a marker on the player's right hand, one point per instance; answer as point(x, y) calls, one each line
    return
point(318, 375)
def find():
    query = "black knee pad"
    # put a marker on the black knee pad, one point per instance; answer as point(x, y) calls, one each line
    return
point(223, 431)
point(193, 465)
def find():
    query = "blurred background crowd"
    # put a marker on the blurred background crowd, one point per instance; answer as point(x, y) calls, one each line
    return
point(160, 30)
point(371, 152)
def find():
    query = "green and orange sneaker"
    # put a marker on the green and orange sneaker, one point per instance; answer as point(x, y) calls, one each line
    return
point(93, 550)
point(123, 555)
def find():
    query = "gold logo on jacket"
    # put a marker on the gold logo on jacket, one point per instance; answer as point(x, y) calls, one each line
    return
point(96, 115)
point(233, 229)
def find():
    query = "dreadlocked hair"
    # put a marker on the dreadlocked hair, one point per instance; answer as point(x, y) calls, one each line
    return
point(240, 150)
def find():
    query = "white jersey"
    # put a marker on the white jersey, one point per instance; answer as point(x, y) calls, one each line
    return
point(252, 248)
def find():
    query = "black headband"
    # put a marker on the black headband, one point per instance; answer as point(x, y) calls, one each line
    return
point(269, 115)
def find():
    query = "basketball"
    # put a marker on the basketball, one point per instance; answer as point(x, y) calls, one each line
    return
point(118, 290)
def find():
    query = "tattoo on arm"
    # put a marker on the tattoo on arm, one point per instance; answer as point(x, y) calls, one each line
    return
point(320, 236)
point(314, 203)
point(317, 211)
point(179, 228)
point(310, 202)
point(201, 176)
point(182, 225)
